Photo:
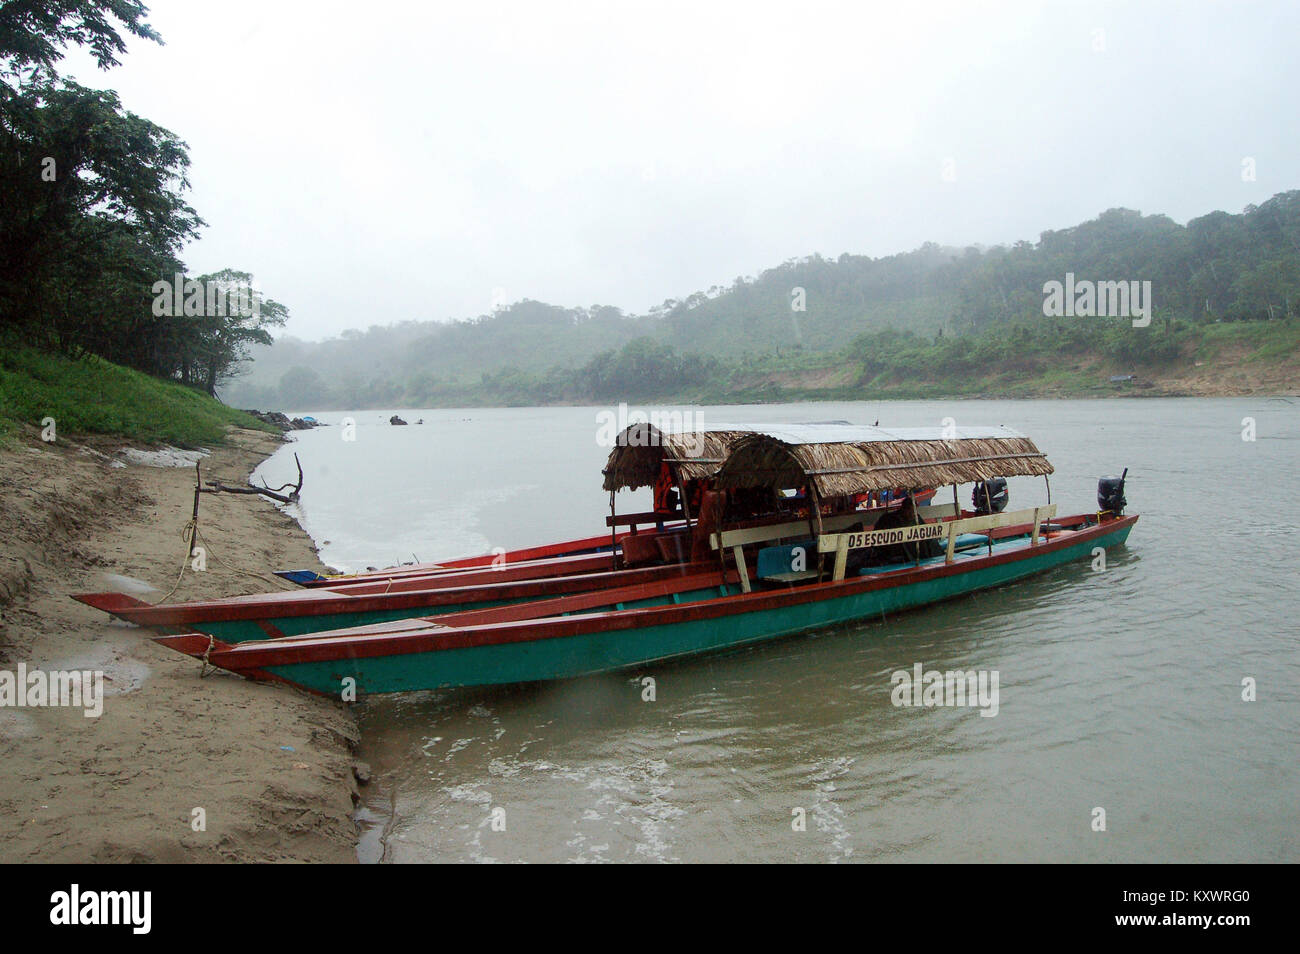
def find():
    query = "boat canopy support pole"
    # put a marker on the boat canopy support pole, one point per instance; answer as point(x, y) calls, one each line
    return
point(815, 522)
point(613, 534)
point(681, 491)
point(1049, 500)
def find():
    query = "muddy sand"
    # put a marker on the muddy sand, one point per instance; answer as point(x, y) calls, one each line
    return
point(270, 768)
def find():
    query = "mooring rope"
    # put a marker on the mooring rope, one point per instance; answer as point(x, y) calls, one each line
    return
point(192, 536)
point(207, 667)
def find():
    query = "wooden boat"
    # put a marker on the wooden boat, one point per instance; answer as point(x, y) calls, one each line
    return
point(573, 567)
point(401, 593)
point(830, 566)
point(294, 612)
point(692, 455)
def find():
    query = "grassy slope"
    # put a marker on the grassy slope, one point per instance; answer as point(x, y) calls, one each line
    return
point(90, 395)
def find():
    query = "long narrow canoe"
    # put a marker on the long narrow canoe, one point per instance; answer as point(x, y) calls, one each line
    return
point(668, 589)
point(470, 652)
point(294, 612)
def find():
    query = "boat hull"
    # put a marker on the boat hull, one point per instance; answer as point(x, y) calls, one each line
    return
point(302, 612)
point(568, 648)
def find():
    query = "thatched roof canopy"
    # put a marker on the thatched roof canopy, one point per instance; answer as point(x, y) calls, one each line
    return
point(641, 448)
point(850, 461)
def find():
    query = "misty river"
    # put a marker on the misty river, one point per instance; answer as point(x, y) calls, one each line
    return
point(1120, 690)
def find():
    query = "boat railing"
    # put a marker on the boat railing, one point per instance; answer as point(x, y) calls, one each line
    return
point(649, 518)
point(736, 540)
point(949, 530)
point(765, 533)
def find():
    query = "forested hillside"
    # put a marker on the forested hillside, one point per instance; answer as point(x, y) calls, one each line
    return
point(936, 317)
point(93, 215)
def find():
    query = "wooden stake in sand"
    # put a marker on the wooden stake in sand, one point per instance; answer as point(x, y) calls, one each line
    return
point(217, 487)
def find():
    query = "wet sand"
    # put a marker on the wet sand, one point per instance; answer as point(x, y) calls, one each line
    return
point(270, 768)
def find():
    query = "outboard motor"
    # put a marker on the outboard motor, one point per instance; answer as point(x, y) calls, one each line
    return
point(1110, 494)
point(990, 496)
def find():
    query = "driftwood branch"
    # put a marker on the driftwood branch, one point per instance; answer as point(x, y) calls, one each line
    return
point(217, 487)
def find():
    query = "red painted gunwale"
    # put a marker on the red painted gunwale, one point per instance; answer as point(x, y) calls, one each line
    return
point(526, 554)
point(248, 657)
point(536, 609)
point(196, 644)
point(529, 570)
point(306, 602)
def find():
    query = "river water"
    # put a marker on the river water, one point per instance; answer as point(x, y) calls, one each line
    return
point(1119, 690)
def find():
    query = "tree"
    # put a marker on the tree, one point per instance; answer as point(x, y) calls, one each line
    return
point(218, 339)
point(35, 33)
point(92, 211)
point(78, 171)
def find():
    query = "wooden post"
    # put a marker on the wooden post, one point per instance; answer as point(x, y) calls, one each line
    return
point(952, 540)
point(722, 551)
point(988, 505)
point(613, 534)
point(681, 490)
point(1049, 498)
point(194, 520)
point(916, 547)
point(841, 558)
point(741, 568)
point(815, 519)
point(1033, 540)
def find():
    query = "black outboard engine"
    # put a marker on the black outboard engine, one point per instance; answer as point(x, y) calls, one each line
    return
point(990, 496)
point(1110, 494)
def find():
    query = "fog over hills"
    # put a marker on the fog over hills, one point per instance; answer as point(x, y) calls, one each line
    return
point(1236, 267)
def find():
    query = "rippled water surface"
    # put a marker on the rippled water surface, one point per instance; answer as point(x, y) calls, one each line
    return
point(1119, 690)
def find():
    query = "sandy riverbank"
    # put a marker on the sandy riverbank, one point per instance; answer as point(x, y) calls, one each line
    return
point(270, 767)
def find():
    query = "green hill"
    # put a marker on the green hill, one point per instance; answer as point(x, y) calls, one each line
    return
point(821, 320)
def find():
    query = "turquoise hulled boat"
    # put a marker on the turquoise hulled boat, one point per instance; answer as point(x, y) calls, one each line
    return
point(585, 565)
point(812, 509)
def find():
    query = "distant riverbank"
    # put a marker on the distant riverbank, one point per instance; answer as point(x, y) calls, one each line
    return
point(1076, 359)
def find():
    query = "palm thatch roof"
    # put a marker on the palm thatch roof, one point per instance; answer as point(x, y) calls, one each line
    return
point(879, 459)
point(641, 449)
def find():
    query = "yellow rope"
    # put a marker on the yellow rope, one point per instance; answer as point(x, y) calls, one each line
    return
point(190, 532)
point(185, 535)
point(207, 666)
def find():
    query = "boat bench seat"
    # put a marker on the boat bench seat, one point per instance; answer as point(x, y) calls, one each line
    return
point(968, 541)
point(784, 564)
point(793, 577)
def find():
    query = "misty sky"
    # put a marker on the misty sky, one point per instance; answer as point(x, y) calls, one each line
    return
point(372, 163)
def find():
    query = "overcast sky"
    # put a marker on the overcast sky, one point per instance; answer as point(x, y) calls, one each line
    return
point(372, 163)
